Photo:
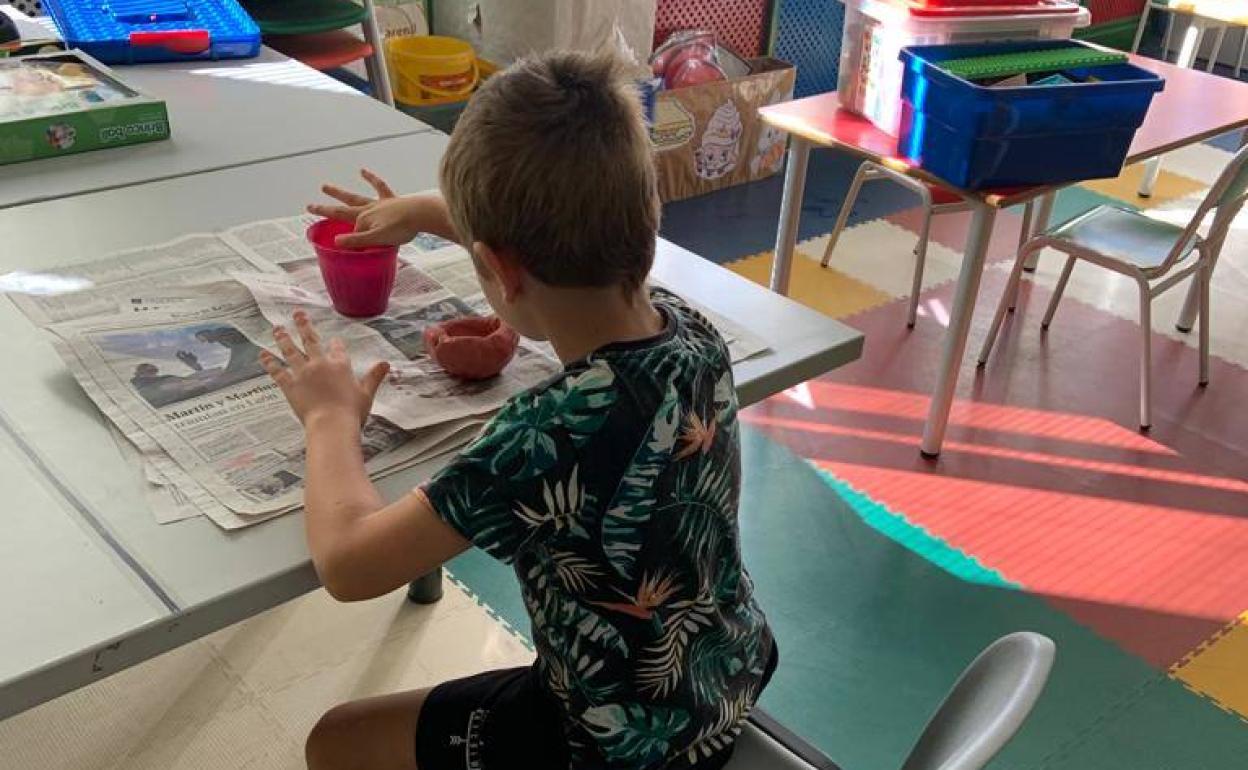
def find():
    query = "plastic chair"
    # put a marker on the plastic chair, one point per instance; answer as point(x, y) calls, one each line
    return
point(314, 32)
point(1156, 254)
point(986, 707)
point(936, 200)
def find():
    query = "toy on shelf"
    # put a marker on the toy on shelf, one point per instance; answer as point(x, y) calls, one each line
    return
point(137, 31)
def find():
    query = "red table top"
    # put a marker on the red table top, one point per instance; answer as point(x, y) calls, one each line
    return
point(1193, 107)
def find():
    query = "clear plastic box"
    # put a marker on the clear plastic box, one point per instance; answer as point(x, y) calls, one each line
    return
point(876, 30)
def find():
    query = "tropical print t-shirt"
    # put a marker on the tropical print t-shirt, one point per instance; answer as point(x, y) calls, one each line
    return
point(612, 490)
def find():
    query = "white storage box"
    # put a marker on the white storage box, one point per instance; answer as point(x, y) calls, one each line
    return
point(876, 30)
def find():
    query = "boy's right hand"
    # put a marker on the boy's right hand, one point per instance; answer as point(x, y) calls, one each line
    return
point(387, 220)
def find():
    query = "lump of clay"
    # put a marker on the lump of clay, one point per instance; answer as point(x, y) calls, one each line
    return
point(472, 348)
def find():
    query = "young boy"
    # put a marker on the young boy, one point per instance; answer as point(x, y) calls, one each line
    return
point(612, 488)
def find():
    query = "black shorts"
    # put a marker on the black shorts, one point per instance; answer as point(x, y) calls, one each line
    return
point(505, 719)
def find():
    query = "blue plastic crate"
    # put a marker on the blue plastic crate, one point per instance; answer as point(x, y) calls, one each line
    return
point(978, 137)
point(137, 31)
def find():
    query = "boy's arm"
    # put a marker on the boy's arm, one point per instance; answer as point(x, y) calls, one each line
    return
point(360, 546)
point(388, 220)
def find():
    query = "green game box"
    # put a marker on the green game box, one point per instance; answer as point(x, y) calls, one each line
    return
point(60, 103)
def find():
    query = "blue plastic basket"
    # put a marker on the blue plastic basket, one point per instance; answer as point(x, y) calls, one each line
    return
point(978, 137)
point(137, 31)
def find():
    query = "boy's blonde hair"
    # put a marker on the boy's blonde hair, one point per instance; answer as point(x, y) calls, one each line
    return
point(552, 160)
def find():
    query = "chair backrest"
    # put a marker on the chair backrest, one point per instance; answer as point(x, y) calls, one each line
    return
point(1227, 197)
point(986, 706)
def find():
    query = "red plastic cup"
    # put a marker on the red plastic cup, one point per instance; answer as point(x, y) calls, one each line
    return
point(359, 280)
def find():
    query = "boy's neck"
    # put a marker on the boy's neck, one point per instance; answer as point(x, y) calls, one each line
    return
point(579, 321)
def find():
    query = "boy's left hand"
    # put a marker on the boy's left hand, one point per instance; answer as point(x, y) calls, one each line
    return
point(318, 381)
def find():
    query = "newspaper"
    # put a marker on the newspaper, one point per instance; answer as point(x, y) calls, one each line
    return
point(186, 376)
point(101, 287)
point(165, 340)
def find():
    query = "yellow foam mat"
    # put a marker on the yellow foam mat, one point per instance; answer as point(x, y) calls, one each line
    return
point(1125, 188)
point(827, 290)
point(1218, 669)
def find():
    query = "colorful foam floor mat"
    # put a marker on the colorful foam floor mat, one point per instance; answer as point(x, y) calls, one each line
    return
point(884, 574)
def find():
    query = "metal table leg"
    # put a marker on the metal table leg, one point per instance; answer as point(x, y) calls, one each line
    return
point(959, 327)
point(790, 214)
point(1192, 39)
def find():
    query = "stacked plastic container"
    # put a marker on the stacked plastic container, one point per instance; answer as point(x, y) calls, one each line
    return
point(876, 31)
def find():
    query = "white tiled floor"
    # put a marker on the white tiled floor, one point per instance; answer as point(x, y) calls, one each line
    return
point(245, 697)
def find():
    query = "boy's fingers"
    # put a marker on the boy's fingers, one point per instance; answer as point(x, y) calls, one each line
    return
point(307, 332)
point(273, 365)
point(346, 196)
point(343, 213)
point(373, 378)
point(294, 357)
point(337, 348)
point(379, 184)
point(361, 239)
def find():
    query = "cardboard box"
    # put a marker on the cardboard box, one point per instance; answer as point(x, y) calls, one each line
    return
point(709, 137)
point(62, 103)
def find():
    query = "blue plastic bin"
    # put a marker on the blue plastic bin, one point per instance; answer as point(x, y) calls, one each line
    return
point(978, 137)
point(138, 31)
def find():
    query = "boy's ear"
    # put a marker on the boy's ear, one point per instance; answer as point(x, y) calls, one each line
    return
point(502, 267)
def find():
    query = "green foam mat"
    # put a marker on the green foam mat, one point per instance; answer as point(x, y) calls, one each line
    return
point(1027, 62)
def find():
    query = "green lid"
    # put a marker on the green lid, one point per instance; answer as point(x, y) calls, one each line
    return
point(1025, 62)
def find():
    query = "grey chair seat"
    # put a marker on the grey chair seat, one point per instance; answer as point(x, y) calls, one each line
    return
point(1124, 236)
point(981, 713)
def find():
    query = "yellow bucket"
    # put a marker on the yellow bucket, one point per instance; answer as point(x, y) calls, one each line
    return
point(429, 69)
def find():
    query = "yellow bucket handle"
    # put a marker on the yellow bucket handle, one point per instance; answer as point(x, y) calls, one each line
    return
point(476, 76)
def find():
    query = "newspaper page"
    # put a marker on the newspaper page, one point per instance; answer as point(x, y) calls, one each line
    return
point(188, 376)
point(75, 292)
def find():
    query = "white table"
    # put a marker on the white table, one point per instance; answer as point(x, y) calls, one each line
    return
point(222, 114)
point(84, 535)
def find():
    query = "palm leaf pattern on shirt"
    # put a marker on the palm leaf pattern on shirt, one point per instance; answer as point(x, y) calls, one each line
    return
point(623, 526)
point(716, 736)
point(575, 673)
point(521, 439)
point(565, 622)
point(633, 733)
point(480, 513)
point(663, 662)
point(562, 506)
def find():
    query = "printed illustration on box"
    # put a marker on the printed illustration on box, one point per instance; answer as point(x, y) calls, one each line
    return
point(673, 125)
point(721, 143)
point(769, 153)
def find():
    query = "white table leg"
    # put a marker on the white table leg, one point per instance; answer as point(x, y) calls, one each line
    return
point(1039, 224)
point(959, 328)
point(790, 214)
point(1192, 38)
point(1217, 48)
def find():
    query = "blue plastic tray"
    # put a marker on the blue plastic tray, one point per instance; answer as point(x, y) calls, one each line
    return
point(978, 137)
point(136, 31)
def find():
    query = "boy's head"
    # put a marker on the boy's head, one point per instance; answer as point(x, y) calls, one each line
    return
point(549, 177)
